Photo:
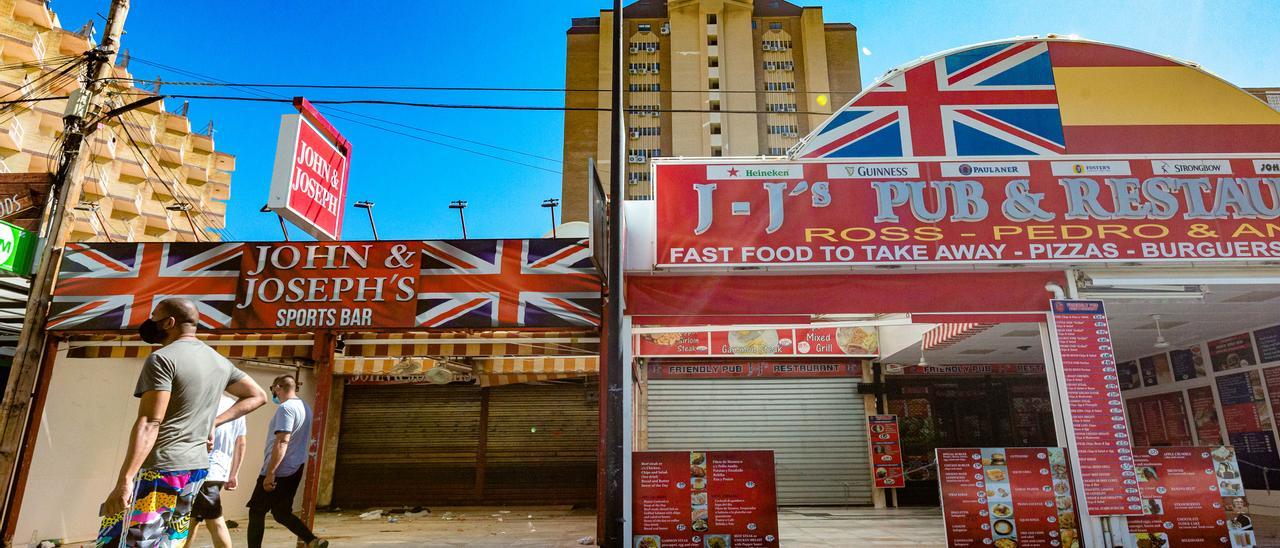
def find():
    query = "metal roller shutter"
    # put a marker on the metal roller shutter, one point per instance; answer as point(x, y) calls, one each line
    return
point(407, 445)
point(422, 445)
point(542, 444)
point(816, 428)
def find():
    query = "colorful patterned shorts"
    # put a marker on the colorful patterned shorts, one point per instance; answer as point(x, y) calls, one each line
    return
point(161, 513)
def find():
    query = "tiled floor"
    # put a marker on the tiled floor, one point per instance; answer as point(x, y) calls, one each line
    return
point(562, 526)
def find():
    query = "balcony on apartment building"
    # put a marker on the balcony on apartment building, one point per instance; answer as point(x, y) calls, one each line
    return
point(102, 146)
point(156, 221)
point(12, 135)
point(174, 123)
point(169, 155)
point(126, 201)
point(35, 12)
point(96, 183)
point(70, 43)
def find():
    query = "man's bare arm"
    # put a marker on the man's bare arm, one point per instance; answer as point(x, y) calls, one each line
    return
point(249, 396)
point(142, 438)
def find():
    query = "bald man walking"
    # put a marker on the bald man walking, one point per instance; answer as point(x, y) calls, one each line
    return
point(168, 456)
point(282, 462)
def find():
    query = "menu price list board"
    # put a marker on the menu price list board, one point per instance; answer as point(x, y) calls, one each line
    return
point(1097, 410)
point(704, 499)
point(1007, 497)
point(1191, 496)
point(886, 451)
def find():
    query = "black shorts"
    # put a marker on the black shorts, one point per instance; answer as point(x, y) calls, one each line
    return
point(208, 501)
point(279, 498)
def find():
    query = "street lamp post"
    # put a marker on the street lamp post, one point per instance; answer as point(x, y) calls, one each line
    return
point(551, 203)
point(185, 208)
point(460, 205)
point(283, 229)
point(367, 206)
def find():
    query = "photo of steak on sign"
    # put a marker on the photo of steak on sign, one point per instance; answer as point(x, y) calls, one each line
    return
point(953, 212)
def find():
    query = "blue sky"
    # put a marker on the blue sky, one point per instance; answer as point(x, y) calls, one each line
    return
point(512, 43)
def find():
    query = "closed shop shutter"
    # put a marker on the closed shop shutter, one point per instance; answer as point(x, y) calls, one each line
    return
point(421, 445)
point(542, 444)
point(816, 428)
point(407, 445)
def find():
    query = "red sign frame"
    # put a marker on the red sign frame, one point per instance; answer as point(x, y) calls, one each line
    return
point(309, 180)
point(688, 498)
point(751, 369)
point(886, 451)
point(841, 214)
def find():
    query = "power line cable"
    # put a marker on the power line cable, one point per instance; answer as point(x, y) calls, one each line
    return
point(382, 120)
point(535, 108)
point(467, 88)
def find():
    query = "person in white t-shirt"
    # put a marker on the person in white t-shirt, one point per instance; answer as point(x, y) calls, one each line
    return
point(224, 466)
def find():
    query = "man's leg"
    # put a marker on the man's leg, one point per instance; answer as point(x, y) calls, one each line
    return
point(142, 523)
point(282, 509)
point(257, 526)
point(219, 533)
point(191, 534)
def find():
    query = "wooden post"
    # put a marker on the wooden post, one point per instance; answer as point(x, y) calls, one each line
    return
point(329, 456)
point(326, 344)
point(482, 445)
point(22, 387)
point(29, 440)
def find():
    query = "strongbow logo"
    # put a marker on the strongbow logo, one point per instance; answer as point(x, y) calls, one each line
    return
point(1191, 167)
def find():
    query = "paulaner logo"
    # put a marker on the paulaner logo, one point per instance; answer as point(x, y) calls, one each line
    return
point(966, 169)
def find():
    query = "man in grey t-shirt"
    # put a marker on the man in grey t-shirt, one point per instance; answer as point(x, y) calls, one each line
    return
point(168, 455)
point(282, 464)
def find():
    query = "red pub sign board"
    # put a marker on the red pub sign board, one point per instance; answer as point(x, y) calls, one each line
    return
point(304, 286)
point(750, 369)
point(309, 180)
point(700, 499)
point(955, 212)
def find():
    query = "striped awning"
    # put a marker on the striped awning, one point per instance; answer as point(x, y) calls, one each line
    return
point(948, 334)
point(488, 371)
point(477, 343)
point(231, 346)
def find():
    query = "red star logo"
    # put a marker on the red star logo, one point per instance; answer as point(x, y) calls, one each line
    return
point(733, 172)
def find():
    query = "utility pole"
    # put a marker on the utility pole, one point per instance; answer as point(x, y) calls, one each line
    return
point(551, 204)
point(32, 343)
point(612, 365)
point(460, 205)
point(367, 206)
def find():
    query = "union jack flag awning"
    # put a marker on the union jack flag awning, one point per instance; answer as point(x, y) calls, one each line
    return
point(462, 284)
point(996, 100)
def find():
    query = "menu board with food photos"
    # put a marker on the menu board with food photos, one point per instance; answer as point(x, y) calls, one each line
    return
point(1007, 498)
point(1128, 374)
point(806, 341)
point(1232, 352)
point(1249, 428)
point(1191, 496)
point(1205, 415)
point(1268, 344)
point(886, 451)
point(1156, 370)
point(701, 499)
point(1159, 420)
point(1187, 363)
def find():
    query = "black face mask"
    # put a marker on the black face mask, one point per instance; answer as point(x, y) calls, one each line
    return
point(151, 332)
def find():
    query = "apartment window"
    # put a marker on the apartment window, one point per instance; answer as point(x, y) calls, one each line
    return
point(711, 18)
point(717, 151)
point(713, 62)
point(1273, 99)
point(715, 106)
point(711, 41)
point(789, 131)
point(775, 26)
point(714, 83)
point(645, 131)
point(781, 107)
point(638, 177)
point(715, 129)
point(644, 27)
point(777, 151)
